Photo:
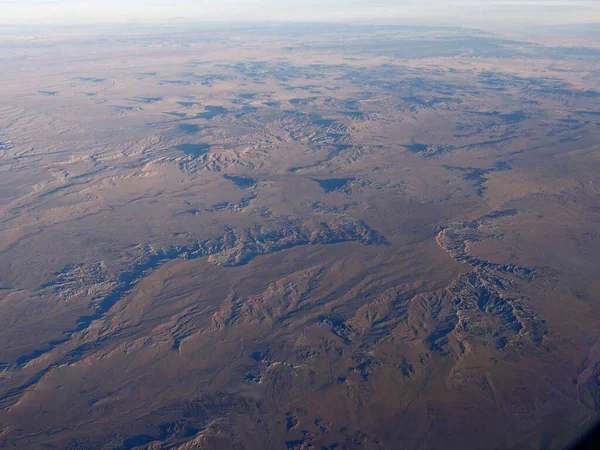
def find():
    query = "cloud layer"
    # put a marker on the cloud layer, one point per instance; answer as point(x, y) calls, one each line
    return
point(401, 11)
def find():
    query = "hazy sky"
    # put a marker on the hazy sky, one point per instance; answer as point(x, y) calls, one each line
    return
point(400, 11)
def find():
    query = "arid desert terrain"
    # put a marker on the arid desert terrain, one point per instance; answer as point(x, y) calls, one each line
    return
point(298, 237)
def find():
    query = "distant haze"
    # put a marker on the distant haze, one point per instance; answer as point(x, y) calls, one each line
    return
point(447, 12)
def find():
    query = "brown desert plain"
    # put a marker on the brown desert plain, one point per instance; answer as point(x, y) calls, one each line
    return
point(298, 237)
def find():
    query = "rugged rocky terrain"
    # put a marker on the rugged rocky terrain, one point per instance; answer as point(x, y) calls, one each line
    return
point(280, 237)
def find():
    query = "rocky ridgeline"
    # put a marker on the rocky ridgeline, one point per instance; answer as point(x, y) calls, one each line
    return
point(313, 128)
point(482, 300)
point(320, 207)
point(429, 150)
point(235, 248)
point(216, 162)
point(456, 238)
point(486, 311)
point(92, 280)
point(232, 248)
point(242, 205)
point(359, 186)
